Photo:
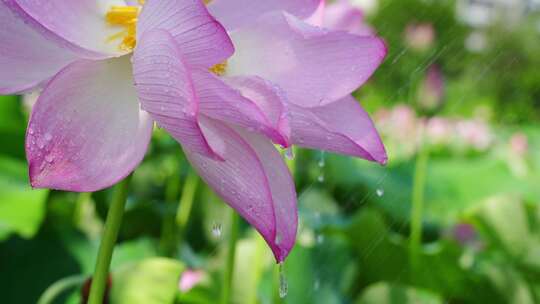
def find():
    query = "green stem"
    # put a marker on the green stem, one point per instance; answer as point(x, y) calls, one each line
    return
point(112, 226)
point(186, 204)
point(257, 270)
point(167, 243)
point(229, 268)
point(59, 287)
point(419, 183)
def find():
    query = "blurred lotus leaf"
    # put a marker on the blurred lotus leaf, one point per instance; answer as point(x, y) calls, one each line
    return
point(21, 209)
point(385, 293)
point(151, 281)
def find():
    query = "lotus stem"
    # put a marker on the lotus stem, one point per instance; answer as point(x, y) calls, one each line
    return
point(110, 234)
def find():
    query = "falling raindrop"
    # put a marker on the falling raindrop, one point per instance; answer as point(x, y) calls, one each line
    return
point(322, 160)
point(320, 239)
point(216, 230)
point(316, 284)
point(283, 285)
point(321, 178)
point(289, 153)
point(380, 192)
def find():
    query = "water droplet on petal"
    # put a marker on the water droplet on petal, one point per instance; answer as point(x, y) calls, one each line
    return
point(48, 136)
point(49, 158)
point(279, 238)
point(289, 153)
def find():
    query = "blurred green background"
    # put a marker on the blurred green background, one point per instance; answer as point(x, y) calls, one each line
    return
point(458, 103)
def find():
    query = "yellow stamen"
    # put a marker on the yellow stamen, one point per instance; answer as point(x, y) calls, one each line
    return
point(207, 1)
point(124, 16)
point(219, 69)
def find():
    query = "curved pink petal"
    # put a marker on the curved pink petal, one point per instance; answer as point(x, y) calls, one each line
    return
point(201, 38)
point(341, 127)
point(86, 131)
point(342, 15)
point(249, 103)
point(77, 25)
point(26, 58)
point(234, 14)
point(254, 180)
point(165, 89)
point(317, 18)
point(313, 66)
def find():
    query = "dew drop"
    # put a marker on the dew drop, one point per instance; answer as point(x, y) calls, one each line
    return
point(289, 153)
point(49, 158)
point(48, 136)
point(283, 285)
point(216, 230)
point(380, 192)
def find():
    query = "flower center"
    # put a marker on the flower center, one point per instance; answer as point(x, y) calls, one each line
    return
point(125, 17)
point(219, 69)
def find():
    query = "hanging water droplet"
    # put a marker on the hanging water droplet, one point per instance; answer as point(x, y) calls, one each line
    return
point(216, 230)
point(320, 239)
point(283, 285)
point(321, 178)
point(289, 153)
point(380, 192)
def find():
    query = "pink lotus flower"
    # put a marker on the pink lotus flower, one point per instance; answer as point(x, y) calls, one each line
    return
point(519, 144)
point(420, 37)
point(306, 74)
point(110, 72)
point(431, 91)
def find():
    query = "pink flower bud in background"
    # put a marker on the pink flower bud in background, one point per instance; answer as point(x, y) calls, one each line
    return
point(519, 144)
point(474, 133)
point(419, 37)
point(439, 130)
point(464, 233)
point(431, 91)
point(189, 279)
